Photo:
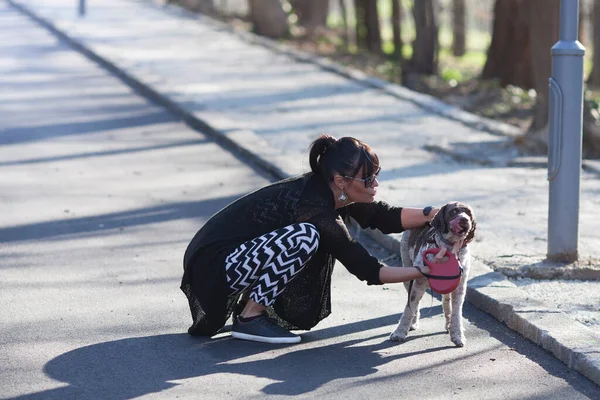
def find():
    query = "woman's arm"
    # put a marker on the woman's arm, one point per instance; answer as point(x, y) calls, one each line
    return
point(414, 217)
point(400, 274)
point(389, 219)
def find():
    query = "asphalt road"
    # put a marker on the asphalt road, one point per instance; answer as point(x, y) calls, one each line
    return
point(100, 191)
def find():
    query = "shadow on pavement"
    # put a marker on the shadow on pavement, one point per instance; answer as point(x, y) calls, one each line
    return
point(109, 223)
point(40, 160)
point(26, 134)
point(134, 367)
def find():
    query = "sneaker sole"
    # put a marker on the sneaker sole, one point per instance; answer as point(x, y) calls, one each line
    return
point(264, 339)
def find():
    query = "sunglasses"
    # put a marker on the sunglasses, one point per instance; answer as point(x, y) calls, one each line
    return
point(368, 181)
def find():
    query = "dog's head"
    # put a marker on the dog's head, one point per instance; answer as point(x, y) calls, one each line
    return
point(455, 221)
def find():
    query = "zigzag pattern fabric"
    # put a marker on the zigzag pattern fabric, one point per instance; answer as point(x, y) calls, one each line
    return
point(267, 263)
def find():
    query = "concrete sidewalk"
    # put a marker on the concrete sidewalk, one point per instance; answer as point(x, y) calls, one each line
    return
point(269, 103)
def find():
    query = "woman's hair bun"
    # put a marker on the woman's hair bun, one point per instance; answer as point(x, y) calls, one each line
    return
point(318, 149)
point(328, 142)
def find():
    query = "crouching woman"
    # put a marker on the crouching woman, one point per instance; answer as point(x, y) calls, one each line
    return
point(275, 248)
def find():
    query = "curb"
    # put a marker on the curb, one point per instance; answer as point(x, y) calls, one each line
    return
point(571, 342)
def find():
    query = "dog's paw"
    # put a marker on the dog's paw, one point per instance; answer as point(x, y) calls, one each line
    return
point(459, 340)
point(398, 337)
point(414, 326)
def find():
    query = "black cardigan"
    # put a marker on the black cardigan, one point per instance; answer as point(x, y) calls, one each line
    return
point(306, 299)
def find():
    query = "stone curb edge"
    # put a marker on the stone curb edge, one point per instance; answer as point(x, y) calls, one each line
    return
point(569, 341)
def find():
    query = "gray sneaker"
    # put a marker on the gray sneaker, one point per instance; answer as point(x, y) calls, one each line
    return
point(262, 329)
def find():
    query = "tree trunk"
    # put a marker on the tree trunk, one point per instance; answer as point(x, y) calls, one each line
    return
point(344, 13)
point(509, 57)
point(368, 32)
point(268, 18)
point(312, 14)
point(397, 30)
point(544, 34)
point(361, 23)
point(544, 17)
point(459, 38)
point(373, 28)
point(594, 78)
point(425, 47)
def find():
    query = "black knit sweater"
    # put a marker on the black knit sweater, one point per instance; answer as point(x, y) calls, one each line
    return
point(307, 298)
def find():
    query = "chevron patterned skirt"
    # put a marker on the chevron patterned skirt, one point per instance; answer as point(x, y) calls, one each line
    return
point(265, 264)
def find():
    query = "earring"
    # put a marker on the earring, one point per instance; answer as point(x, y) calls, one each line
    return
point(342, 197)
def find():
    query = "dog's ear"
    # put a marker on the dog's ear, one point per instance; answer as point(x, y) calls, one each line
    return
point(471, 234)
point(439, 221)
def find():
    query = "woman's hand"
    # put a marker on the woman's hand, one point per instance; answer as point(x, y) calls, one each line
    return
point(425, 269)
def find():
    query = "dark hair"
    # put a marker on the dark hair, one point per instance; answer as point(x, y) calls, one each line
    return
point(344, 156)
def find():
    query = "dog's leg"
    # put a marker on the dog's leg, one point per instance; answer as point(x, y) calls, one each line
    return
point(415, 321)
point(447, 307)
point(456, 323)
point(410, 311)
point(414, 325)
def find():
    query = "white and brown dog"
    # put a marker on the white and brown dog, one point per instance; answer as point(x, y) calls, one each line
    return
point(452, 229)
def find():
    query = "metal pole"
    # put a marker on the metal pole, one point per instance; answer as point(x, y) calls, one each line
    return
point(565, 140)
point(81, 8)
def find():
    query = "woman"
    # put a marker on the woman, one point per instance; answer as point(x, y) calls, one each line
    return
point(276, 247)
